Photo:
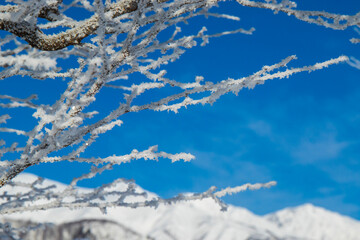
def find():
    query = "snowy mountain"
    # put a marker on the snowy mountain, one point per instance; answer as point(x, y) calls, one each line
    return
point(310, 222)
point(191, 220)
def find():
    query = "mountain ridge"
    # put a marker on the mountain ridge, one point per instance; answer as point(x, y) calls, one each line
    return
point(195, 220)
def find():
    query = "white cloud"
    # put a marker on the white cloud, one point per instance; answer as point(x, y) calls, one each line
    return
point(227, 170)
point(261, 128)
point(320, 149)
point(342, 174)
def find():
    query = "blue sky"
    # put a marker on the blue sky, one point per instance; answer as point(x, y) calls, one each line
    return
point(302, 132)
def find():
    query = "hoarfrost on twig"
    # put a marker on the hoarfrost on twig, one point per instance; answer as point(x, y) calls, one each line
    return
point(116, 40)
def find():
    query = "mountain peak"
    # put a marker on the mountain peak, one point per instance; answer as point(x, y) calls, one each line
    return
point(312, 222)
point(199, 220)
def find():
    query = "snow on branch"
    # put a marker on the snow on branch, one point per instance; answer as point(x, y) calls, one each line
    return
point(355, 40)
point(149, 154)
point(27, 61)
point(354, 62)
point(18, 102)
point(121, 192)
point(329, 20)
point(117, 41)
point(4, 118)
point(248, 186)
point(32, 33)
point(12, 130)
point(232, 85)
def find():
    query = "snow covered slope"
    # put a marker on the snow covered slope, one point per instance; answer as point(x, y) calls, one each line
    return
point(191, 220)
point(310, 222)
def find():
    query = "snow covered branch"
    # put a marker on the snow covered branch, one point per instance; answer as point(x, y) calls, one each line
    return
point(329, 20)
point(54, 12)
point(355, 40)
point(37, 194)
point(232, 85)
point(114, 42)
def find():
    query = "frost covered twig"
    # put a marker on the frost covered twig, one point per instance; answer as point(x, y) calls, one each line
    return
point(354, 62)
point(17, 102)
point(37, 194)
point(31, 33)
point(329, 20)
point(101, 61)
point(149, 154)
point(232, 85)
point(111, 47)
point(355, 40)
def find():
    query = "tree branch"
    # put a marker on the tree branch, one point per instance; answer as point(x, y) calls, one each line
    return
point(36, 38)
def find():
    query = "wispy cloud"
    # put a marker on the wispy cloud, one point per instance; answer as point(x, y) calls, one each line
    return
point(261, 128)
point(234, 169)
point(343, 173)
point(319, 149)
